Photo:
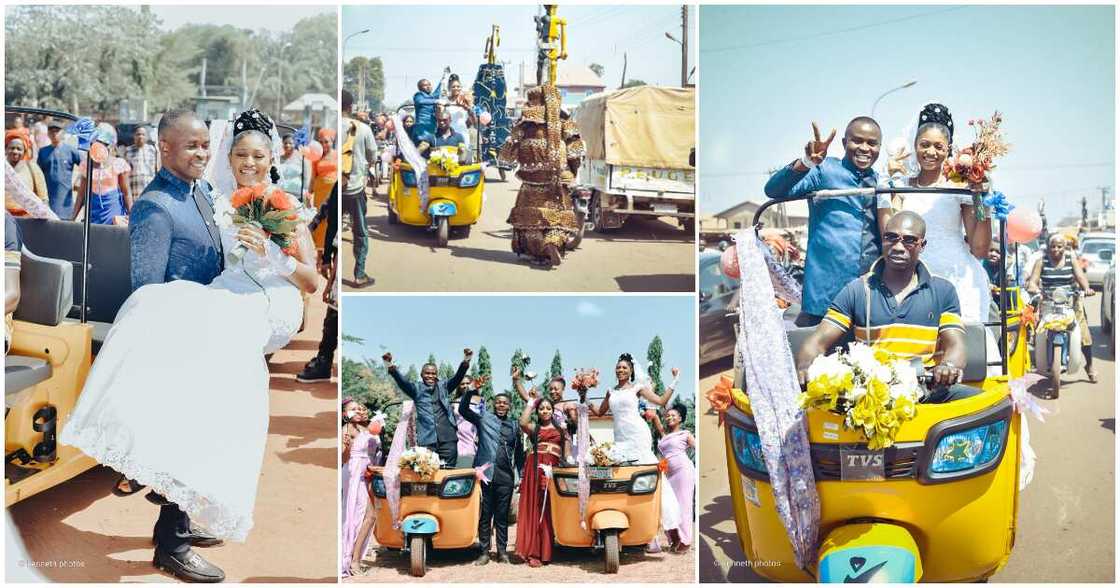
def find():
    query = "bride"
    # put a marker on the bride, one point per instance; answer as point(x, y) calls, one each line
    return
point(196, 353)
point(955, 240)
point(633, 441)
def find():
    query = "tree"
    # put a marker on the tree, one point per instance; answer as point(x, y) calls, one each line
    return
point(598, 69)
point(374, 77)
point(521, 361)
point(431, 358)
point(653, 355)
point(445, 371)
point(483, 369)
point(557, 368)
point(633, 82)
point(412, 374)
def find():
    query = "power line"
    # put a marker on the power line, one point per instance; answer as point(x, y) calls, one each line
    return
point(832, 33)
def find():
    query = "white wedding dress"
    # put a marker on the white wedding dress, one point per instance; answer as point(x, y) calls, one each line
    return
point(634, 442)
point(947, 255)
point(177, 399)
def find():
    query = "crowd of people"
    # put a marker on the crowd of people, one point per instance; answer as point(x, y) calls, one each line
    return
point(517, 451)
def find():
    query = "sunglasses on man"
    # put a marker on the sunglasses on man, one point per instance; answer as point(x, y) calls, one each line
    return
point(908, 241)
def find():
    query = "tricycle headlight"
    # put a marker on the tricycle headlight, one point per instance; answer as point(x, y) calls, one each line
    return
point(748, 450)
point(378, 484)
point(970, 449)
point(470, 179)
point(408, 177)
point(457, 487)
point(644, 483)
point(567, 485)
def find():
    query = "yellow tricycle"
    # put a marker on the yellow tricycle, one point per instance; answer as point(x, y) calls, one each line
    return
point(939, 505)
point(440, 512)
point(623, 509)
point(455, 185)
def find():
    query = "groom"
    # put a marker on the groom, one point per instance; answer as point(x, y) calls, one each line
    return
point(435, 425)
point(173, 237)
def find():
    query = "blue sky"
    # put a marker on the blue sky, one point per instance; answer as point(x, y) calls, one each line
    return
point(769, 71)
point(589, 331)
point(416, 42)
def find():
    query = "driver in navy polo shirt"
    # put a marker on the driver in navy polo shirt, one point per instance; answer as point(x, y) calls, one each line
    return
point(913, 314)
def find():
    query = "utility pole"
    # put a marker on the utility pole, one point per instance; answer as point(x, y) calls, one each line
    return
point(202, 78)
point(684, 46)
point(622, 84)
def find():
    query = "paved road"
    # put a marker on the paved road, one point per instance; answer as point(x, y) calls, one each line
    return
point(646, 255)
point(568, 565)
point(294, 537)
point(1066, 524)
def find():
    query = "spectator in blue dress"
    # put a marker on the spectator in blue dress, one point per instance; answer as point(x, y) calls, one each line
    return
point(57, 161)
point(843, 232)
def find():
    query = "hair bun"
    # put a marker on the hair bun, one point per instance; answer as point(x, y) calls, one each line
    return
point(252, 120)
point(625, 357)
point(937, 114)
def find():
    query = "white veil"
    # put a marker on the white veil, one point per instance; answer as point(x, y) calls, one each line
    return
point(218, 172)
point(904, 142)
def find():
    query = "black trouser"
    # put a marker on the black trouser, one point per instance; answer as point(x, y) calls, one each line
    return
point(447, 450)
point(949, 394)
point(330, 335)
point(172, 528)
point(496, 499)
point(355, 206)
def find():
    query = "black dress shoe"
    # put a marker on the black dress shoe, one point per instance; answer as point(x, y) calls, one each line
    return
point(503, 557)
point(188, 566)
point(197, 537)
point(482, 559)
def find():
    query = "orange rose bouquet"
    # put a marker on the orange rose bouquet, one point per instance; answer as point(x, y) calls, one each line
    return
point(266, 207)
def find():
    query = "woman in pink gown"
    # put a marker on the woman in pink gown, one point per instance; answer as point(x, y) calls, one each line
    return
point(673, 447)
point(364, 448)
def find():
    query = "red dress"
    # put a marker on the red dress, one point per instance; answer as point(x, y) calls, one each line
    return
point(534, 531)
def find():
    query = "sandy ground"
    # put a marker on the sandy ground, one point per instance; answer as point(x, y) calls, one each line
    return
point(646, 255)
point(1066, 523)
point(294, 535)
point(568, 565)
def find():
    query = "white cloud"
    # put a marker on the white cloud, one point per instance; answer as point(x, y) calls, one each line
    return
point(587, 308)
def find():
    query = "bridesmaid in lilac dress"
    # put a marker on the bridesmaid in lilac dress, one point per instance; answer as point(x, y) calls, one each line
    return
point(363, 449)
point(673, 446)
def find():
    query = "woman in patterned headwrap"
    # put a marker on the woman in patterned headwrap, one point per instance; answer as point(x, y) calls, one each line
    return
point(548, 150)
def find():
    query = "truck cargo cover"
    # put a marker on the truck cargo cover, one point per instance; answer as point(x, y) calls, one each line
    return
point(644, 126)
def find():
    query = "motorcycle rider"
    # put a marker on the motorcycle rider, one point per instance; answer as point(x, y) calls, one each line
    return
point(1055, 269)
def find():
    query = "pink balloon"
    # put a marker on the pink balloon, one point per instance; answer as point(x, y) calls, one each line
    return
point(484, 118)
point(729, 263)
point(313, 151)
point(1023, 225)
point(375, 427)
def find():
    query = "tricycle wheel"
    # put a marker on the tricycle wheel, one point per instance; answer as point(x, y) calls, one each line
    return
point(1056, 370)
point(610, 551)
point(393, 218)
point(502, 174)
point(443, 231)
point(418, 556)
point(462, 232)
point(689, 225)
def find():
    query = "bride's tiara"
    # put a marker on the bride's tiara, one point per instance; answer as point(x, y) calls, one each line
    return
point(252, 120)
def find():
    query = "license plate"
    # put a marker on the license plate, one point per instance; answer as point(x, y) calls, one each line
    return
point(419, 489)
point(665, 208)
point(600, 473)
point(862, 464)
point(440, 181)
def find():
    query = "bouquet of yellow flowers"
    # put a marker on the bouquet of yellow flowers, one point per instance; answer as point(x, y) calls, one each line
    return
point(603, 454)
point(874, 391)
point(421, 460)
point(446, 159)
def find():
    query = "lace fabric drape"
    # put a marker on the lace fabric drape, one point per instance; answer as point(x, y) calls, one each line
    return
point(770, 380)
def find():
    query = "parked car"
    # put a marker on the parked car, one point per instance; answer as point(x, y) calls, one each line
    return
point(1108, 301)
point(718, 305)
point(1093, 245)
